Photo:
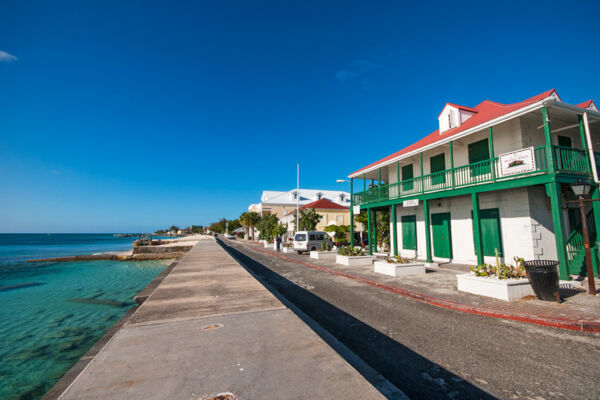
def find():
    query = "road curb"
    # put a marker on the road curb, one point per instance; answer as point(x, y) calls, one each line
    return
point(560, 323)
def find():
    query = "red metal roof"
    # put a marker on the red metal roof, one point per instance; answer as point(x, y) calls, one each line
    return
point(485, 111)
point(323, 204)
point(586, 104)
point(459, 107)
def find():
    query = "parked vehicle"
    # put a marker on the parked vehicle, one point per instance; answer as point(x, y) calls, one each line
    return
point(310, 241)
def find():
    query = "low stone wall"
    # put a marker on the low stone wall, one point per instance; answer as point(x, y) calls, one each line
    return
point(160, 249)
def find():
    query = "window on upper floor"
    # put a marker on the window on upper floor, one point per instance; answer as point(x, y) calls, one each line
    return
point(451, 119)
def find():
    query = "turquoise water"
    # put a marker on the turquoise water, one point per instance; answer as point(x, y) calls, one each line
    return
point(52, 313)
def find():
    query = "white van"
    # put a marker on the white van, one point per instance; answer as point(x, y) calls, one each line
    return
point(310, 240)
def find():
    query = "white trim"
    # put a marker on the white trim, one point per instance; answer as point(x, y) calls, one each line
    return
point(550, 100)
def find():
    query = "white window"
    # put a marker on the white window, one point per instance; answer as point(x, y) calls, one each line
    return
point(339, 219)
point(450, 119)
point(294, 195)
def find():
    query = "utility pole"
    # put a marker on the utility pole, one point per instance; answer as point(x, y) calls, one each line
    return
point(297, 197)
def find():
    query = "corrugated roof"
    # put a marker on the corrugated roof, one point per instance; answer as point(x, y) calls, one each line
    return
point(485, 111)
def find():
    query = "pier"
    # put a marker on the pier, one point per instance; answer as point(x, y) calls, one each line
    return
point(208, 328)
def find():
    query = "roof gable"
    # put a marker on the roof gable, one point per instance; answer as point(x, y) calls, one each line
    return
point(485, 111)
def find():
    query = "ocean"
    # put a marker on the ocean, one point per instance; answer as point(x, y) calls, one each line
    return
point(52, 313)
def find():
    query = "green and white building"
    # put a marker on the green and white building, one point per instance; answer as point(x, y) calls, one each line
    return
point(492, 178)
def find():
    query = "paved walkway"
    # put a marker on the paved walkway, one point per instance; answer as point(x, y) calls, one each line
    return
point(211, 328)
point(578, 311)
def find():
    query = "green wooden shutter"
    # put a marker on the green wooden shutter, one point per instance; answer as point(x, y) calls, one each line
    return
point(407, 173)
point(437, 164)
point(479, 151)
point(409, 232)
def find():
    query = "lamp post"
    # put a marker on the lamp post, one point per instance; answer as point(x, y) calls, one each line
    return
point(351, 211)
point(581, 189)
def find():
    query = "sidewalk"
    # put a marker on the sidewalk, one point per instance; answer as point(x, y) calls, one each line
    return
point(579, 311)
point(211, 329)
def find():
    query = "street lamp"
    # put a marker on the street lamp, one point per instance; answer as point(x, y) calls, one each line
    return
point(351, 212)
point(581, 188)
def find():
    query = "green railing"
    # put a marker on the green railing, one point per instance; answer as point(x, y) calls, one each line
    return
point(566, 159)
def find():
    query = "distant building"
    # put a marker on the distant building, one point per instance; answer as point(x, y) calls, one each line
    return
point(331, 213)
point(282, 203)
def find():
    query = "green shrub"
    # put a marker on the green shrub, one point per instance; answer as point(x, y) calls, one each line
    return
point(350, 251)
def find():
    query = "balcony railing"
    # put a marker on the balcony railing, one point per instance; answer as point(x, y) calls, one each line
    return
point(566, 160)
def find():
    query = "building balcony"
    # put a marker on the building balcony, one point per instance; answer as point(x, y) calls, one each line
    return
point(567, 160)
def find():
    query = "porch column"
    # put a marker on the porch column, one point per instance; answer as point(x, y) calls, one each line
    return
point(421, 171)
point(553, 191)
point(398, 178)
point(374, 230)
point(491, 151)
point(596, 211)
point(394, 229)
point(548, 139)
point(451, 165)
point(477, 229)
point(351, 213)
point(369, 230)
point(584, 144)
point(427, 230)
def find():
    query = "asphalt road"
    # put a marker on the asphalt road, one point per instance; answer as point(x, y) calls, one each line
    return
point(433, 353)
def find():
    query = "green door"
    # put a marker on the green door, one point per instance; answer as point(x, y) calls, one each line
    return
point(437, 164)
point(491, 235)
point(409, 232)
point(564, 141)
point(407, 174)
point(479, 151)
point(442, 239)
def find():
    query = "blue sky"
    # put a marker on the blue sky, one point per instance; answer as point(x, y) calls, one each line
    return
point(134, 115)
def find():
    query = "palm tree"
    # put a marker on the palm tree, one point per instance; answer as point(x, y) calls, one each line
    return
point(253, 219)
point(244, 220)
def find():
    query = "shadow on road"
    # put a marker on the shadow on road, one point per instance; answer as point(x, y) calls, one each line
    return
point(415, 375)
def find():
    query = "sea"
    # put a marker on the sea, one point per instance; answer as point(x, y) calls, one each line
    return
point(51, 313)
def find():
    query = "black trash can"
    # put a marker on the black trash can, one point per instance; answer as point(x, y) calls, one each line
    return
point(543, 276)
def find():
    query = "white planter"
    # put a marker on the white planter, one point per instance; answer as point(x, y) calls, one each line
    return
point(503, 289)
point(386, 268)
point(287, 250)
point(323, 255)
point(353, 261)
point(267, 245)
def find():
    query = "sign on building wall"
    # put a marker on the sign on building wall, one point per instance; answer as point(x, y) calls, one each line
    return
point(356, 209)
point(410, 203)
point(517, 162)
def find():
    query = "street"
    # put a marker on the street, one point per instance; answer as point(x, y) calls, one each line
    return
point(429, 352)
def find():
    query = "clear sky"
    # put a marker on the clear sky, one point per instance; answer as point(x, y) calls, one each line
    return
point(134, 115)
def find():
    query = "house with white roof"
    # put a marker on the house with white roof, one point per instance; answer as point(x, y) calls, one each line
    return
point(493, 179)
point(282, 203)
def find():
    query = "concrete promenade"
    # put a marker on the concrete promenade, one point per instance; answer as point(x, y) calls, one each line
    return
point(211, 328)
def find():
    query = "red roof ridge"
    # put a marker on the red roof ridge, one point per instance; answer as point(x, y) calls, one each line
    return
point(586, 104)
point(486, 111)
point(324, 204)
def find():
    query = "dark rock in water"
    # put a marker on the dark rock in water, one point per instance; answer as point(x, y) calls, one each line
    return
point(19, 286)
point(100, 302)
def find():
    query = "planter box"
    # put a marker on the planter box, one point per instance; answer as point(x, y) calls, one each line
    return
point(353, 261)
point(503, 289)
point(323, 255)
point(287, 249)
point(386, 268)
point(267, 245)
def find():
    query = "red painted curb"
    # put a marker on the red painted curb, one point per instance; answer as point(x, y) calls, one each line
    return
point(561, 323)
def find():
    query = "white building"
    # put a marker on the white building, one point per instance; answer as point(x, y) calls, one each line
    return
point(282, 203)
point(492, 178)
